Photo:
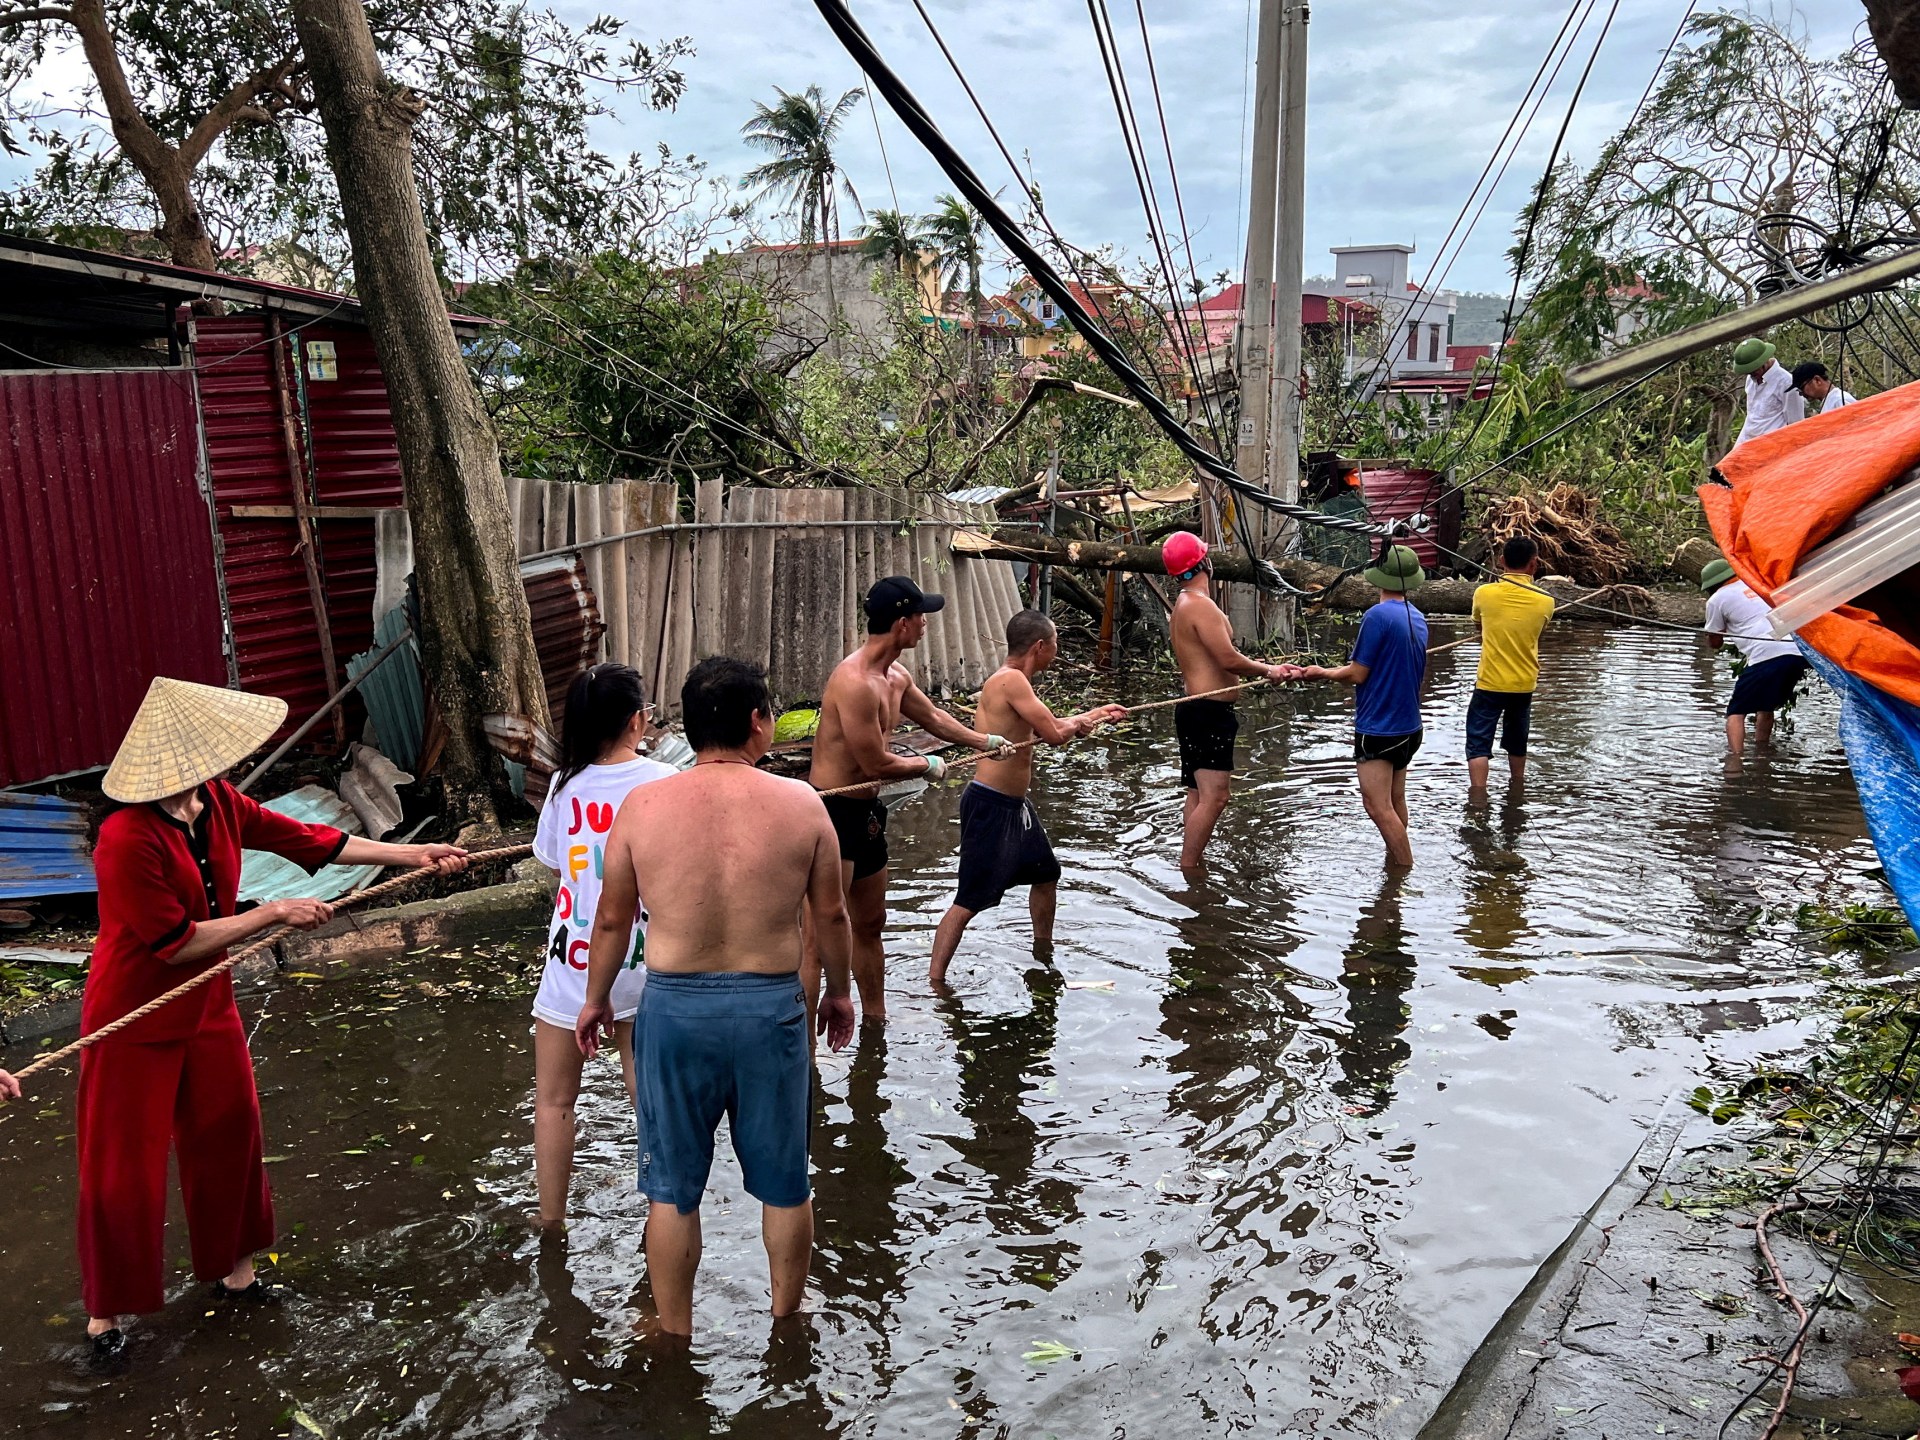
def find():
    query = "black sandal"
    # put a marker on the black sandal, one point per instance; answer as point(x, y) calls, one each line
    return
point(107, 1352)
point(254, 1292)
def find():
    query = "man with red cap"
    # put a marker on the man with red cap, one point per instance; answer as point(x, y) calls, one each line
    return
point(1208, 659)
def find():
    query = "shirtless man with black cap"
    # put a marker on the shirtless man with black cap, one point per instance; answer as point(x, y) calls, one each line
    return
point(867, 696)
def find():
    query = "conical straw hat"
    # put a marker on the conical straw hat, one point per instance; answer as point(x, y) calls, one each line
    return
point(184, 735)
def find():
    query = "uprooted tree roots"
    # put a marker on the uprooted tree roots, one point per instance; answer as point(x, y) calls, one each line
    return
point(1575, 540)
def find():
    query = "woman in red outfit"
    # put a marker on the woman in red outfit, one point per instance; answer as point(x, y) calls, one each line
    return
point(168, 866)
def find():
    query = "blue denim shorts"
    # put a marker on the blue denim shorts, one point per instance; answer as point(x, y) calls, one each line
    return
point(716, 1044)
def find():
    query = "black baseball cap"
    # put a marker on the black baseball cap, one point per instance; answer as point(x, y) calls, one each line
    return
point(897, 597)
point(1808, 370)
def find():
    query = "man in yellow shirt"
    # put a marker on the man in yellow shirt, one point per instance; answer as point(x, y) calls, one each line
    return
point(1511, 612)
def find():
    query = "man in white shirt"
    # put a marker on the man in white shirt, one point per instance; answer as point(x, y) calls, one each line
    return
point(1816, 387)
point(1738, 616)
point(1772, 401)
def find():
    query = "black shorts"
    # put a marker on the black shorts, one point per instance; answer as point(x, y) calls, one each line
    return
point(1206, 729)
point(1510, 710)
point(1768, 686)
point(861, 823)
point(1397, 750)
point(1002, 844)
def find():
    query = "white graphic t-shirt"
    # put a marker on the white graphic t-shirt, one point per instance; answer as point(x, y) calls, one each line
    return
point(572, 839)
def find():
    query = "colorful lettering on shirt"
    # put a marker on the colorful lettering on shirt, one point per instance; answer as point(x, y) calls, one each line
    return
point(599, 818)
point(577, 861)
point(577, 947)
point(563, 903)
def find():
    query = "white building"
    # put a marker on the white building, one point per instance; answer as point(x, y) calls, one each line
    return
point(1416, 325)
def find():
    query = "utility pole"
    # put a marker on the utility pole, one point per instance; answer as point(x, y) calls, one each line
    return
point(1283, 474)
point(1254, 338)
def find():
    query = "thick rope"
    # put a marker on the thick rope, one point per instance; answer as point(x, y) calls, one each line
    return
point(257, 947)
point(974, 759)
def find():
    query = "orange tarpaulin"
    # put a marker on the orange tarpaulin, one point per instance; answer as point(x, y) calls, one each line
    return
point(1792, 490)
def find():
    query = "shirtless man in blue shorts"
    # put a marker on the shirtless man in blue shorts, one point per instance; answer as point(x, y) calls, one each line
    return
point(727, 856)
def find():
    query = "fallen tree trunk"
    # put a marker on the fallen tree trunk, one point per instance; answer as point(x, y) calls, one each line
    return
point(1436, 597)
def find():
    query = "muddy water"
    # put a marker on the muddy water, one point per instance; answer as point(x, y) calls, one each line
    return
point(1268, 1154)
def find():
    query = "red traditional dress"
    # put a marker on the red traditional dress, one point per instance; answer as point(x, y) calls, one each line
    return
point(180, 1078)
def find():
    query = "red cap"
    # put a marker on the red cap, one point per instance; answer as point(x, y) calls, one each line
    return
point(1182, 552)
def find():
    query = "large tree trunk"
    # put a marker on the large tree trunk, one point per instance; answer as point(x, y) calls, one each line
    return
point(169, 174)
point(1436, 597)
point(478, 636)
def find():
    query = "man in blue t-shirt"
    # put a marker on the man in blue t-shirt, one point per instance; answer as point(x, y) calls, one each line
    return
point(1388, 665)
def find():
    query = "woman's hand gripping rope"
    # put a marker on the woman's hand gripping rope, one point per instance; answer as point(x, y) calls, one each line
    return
point(286, 915)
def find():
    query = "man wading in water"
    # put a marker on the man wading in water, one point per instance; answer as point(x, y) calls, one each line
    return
point(1204, 650)
point(868, 694)
point(1002, 843)
point(726, 856)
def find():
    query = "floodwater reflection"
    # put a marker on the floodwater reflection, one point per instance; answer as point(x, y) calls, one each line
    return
point(1264, 1154)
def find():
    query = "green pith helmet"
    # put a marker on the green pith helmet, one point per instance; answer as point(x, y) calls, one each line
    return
point(1399, 569)
point(1749, 355)
point(1715, 573)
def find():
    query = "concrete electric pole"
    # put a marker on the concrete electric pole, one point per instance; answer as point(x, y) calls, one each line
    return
point(1283, 470)
point(1254, 342)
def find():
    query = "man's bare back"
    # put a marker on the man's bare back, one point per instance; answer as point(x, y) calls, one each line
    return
point(731, 901)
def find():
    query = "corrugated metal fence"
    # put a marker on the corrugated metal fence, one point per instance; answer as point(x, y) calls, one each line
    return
point(772, 576)
point(106, 560)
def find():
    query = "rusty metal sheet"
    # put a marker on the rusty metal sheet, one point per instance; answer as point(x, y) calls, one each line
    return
point(43, 847)
point(566, 623)
point(106, 561)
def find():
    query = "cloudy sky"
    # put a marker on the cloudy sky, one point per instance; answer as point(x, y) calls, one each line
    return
point(1406, 101)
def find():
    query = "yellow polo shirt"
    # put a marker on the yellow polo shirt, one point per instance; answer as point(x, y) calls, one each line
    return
point(1512, 612)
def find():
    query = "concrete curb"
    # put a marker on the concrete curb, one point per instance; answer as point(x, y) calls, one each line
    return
point(358, 940)
point(1496, 1381)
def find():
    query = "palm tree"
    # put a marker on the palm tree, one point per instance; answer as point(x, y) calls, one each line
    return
point(889, 235)
point(954, 232)
point(799, 131)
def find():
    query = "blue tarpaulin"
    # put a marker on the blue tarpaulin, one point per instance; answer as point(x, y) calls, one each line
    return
point(1882, 736)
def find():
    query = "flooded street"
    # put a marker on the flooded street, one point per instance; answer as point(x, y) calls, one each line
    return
point(1267, 1155)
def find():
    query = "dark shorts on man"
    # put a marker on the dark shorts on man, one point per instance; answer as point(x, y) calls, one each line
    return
point(1002, 844)
point(1397, 750)
point(860, 821)
point(714, 1044)
point(1206, 731)
point(1768, 686)
point(1509, 710)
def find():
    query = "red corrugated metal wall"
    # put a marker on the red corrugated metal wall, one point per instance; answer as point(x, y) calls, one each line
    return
point(356, 461)
point(349, 434)
point(106, 561)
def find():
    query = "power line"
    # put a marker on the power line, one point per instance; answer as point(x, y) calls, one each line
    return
point(1143, 180)
point(1500, 145)
point(915, 118)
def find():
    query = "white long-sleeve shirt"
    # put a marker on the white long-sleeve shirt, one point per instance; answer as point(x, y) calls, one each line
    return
point(1771, 402)
point(1836, 397)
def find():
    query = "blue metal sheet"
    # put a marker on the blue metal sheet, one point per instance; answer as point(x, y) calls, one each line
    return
point(395, 696)
point(43, 847)
point(268, 877)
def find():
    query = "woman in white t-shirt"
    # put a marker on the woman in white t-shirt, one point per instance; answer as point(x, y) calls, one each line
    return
point(600, 732)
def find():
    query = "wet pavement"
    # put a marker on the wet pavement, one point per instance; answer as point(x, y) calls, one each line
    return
point(1262, 1155)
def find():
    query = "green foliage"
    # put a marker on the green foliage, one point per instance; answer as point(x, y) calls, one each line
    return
point(1870, 929)
point(956, 233)
point(503, 151)
point(612, 367)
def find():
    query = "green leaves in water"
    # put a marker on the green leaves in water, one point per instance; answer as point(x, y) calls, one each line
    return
point(1049, 1352)
point(1870, 929)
